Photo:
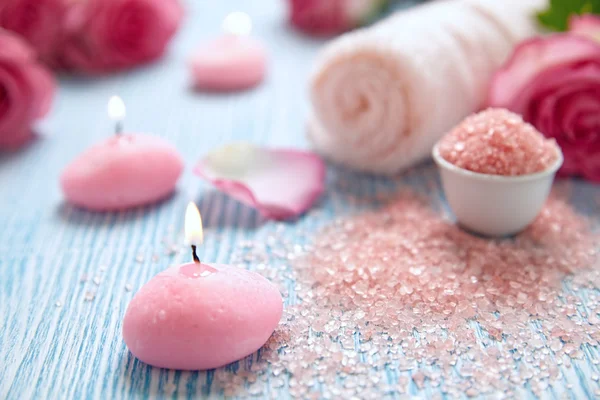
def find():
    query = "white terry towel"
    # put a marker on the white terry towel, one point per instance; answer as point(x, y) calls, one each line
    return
point(382, 96)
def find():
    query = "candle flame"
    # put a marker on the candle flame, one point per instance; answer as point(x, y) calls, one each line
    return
point(116, 108)
point(193, 225)
point(237, 23)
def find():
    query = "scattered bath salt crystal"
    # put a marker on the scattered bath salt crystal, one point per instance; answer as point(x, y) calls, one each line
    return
point(58, 304)
point(171, 249)
point(498, 142)
point(170, 389)
point(97, 280)
point(89, 295)
point(139, 258)
point(128, 287)
point(419, 379)
point(357, 280)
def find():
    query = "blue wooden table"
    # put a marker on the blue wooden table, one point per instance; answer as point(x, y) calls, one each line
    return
point(67, 275)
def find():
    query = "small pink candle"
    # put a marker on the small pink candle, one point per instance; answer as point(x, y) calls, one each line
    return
point(126, 170)
point(200, 316)
point(232, 61)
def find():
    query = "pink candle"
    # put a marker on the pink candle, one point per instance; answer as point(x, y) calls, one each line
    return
point(232, 61)
point(123, 171)
point(200, 316)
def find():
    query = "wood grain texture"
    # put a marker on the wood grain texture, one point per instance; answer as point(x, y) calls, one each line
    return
point(75, 350)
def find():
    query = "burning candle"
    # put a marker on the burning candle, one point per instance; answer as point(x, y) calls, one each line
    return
point(123, 171)
point(233, 60)
point(200, 316)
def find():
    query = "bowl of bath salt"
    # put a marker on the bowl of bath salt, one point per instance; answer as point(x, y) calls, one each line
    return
point(497, 171)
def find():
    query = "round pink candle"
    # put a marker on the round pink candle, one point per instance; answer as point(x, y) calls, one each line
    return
point(232, 61)
point(498, 142)
point(200, 316)
point(124, 171)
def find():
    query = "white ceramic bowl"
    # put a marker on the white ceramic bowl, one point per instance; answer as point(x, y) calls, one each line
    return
point(495, 205)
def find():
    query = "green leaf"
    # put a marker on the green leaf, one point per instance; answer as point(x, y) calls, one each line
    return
point(556, 17)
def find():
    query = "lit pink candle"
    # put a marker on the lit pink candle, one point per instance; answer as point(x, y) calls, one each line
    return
point(200, 316)
point(126, 170)
point(232, 61)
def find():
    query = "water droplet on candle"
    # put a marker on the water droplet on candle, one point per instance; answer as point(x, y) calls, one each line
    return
point(194, 270)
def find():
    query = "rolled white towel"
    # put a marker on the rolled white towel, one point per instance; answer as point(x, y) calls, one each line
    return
point(383, 96)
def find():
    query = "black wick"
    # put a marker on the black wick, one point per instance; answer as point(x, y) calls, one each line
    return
point(119, 127)
point(196, 259)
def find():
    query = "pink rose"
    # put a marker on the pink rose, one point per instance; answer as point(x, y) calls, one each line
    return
point(38, 21)
point(26, 90)
point(326, 17)
point(554, 82)
point(587, 25)
point(107, 35)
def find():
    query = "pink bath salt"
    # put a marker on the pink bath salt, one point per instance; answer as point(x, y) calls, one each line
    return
point(229, 62)
point(201, 316)
point(124, 171)
point(498, 142)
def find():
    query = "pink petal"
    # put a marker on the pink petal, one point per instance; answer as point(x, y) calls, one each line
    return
point(587, 25)
point(535, 56)
point(281, 184)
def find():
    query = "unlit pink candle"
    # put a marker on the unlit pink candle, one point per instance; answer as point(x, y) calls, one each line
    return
point(232, 61)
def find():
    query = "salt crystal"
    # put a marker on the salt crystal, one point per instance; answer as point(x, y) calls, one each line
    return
point(494, 153)
point(464, 285)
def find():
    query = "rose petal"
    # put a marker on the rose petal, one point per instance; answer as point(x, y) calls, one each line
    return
point(587, 25)
point(531, 58)
point(14, 49)
point(538, 100)
point(281, 184)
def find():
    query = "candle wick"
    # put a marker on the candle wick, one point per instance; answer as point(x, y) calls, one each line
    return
point(196, 259)
point(118, 128)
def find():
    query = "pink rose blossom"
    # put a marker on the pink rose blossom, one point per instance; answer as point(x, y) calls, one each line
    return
point(587, 25)
point(38, 21)
point(26, 90)
point(107, 35)
point(554, 82)
point(318, 16)
point(327, 17)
